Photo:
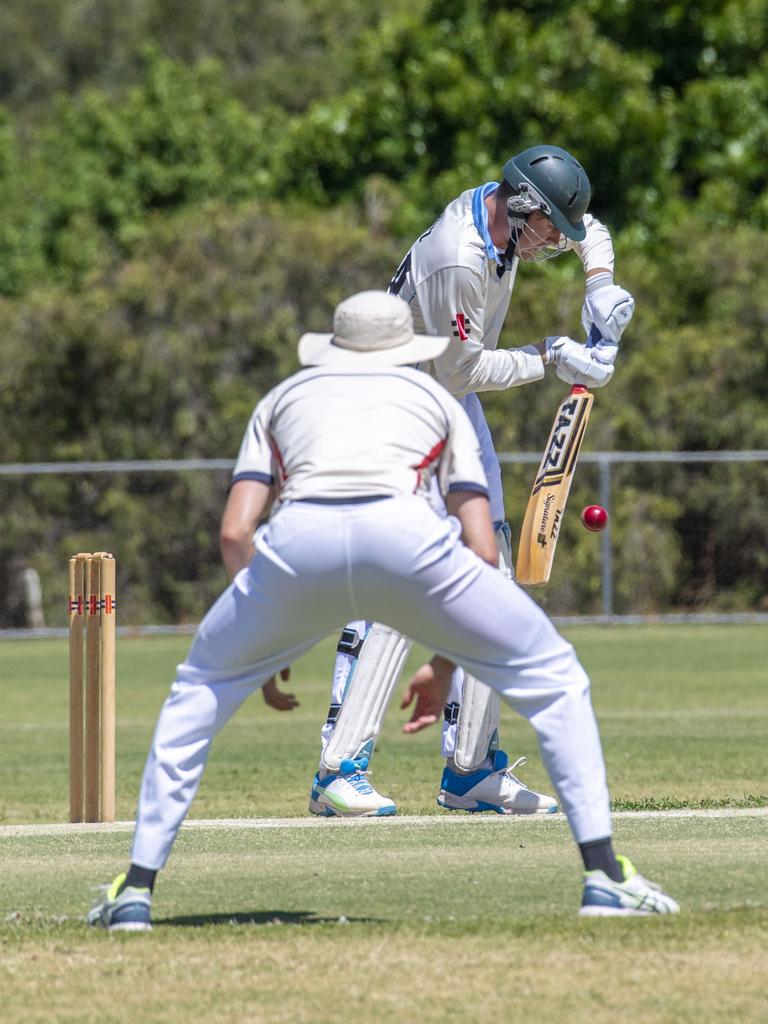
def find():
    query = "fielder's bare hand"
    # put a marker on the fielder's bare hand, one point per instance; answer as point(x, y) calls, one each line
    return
point(429, 688)
point(277, 698)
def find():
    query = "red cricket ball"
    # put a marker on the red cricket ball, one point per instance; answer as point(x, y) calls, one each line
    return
point(595, 518)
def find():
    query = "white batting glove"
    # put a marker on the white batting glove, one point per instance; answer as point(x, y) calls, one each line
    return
point(603, 350)
point(609, 309)
point(577, 364)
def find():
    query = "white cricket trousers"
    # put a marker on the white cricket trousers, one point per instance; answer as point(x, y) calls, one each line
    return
point(392, 561)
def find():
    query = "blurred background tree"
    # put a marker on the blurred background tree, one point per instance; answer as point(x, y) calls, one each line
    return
point(186, 188)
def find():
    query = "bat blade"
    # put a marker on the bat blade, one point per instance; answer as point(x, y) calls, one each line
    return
point(549, 495)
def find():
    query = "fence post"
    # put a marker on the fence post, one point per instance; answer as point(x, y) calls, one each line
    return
point(604, 469)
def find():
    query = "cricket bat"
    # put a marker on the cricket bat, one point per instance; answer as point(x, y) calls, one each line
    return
point(546, 505)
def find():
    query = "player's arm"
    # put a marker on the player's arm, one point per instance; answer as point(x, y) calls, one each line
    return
point(607, 308)
point(453, 305)
point(606, 312)
point(462, 481)
point(473, 512)
point(596, 248)
point(430, 685)
point(250, 498)
point(467, 365)
point(247, 504)
point(252, 489)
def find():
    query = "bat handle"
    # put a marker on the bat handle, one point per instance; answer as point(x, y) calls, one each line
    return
point(594, 337)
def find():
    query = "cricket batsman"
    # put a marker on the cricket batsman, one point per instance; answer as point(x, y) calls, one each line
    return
point(344, 453)
point(458, 278)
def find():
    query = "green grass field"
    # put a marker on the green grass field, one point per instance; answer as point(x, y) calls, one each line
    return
point(444, 918)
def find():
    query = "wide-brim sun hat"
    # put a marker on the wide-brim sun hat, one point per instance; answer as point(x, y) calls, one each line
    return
point(371, 328)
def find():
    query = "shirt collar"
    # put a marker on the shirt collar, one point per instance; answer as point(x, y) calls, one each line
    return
point(480, 218)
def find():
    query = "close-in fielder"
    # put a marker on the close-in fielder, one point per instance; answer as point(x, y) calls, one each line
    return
point(347, 449)
point(458, 278)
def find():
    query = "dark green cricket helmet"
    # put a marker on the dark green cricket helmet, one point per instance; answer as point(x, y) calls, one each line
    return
point(559, 179)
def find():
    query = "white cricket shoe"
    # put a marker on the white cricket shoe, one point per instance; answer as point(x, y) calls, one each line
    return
point(348, 793)
point(492, 789)
point(634, 897)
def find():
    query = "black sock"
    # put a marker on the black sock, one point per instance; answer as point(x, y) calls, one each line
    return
point(598, 855)
point(139, 878)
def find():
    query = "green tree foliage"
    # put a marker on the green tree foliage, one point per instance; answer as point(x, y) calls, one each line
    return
point(186, 188)
point(164, 356)
point(656, 99)
point(437, 100)
point(101, 168)
point(692, 376)
point(443, 100)
point(283, 52)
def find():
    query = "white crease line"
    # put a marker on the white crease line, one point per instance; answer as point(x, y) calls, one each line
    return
point(215, 824)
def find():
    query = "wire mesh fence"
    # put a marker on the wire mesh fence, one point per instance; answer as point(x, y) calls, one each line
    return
point(687, 537)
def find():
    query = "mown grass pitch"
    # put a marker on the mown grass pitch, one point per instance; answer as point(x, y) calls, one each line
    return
point(447, 918)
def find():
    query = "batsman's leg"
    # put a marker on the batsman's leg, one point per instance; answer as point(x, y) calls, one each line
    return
point(477, 775)
point(369, 660)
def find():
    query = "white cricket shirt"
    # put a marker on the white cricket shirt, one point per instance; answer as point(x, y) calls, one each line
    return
point(343, 433)
point(450, 277)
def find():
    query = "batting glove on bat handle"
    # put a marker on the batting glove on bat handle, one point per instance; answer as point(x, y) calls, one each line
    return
point(602, 349)
point(575, 363)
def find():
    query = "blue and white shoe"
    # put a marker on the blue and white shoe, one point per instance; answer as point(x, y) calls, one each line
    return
point(126, 911)
point(634, 897)
point(492, 789)
point(348, 793)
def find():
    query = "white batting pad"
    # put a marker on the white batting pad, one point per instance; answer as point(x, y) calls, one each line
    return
point(478, 724)
point(504, 547)
point(369, 691)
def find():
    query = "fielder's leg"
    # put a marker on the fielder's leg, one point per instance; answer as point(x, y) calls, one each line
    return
point(369, 660)
point(463, 610)
point(268, 617)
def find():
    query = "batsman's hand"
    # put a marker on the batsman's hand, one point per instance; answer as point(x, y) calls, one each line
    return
point(429, 688)
point(277, 698)
point(577, 364)
point(609, 309)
